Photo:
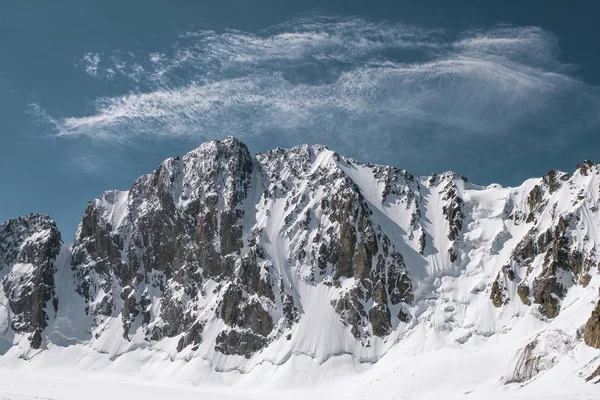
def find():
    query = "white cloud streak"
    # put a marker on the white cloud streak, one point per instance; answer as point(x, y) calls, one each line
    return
point(348, 80)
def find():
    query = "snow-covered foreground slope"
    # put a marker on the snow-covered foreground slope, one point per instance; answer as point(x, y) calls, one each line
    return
point(302, 273)
point(442, 374)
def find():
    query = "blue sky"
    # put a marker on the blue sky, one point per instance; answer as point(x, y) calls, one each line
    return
point(94, 94)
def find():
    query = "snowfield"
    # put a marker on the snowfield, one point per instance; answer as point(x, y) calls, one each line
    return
point(439, 374)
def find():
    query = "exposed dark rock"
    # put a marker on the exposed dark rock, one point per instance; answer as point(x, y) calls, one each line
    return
point(106, 306)
point(551, 179)
point(242, 343)
point(250, 276)
point(585, 167)
point(585, 280)
point(379, 293)
point(351, 309)
point(230, 312)
point(399, 285)
point(592, 328)
point(129, 310)
point(535, 199)
point(167, 239)
point(496, 295)
point(547, 292)
point(28, 248)
point(192, 337)
point(525, 250)
point(236, 311)
point(36, 339)
point(347, 243)
point(422, 243)
point(594, 375)
point(403, 315)
point(432, 179)
point(453, 213)
point(523, 292)
point(145, 307)
point(561, 265)
point(510, 274)
point(379, 316)
point(452, 255)
point(289, 310)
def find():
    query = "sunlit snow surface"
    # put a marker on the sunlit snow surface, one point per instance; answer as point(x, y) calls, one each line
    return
point(450, 373)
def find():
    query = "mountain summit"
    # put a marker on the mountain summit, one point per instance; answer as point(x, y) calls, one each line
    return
point(240, 260)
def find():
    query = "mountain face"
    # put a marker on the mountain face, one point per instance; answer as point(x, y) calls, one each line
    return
point(28, 248)
point(239, 260)
point(219, 238)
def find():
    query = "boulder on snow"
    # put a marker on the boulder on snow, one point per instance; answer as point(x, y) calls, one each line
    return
point(592, 328)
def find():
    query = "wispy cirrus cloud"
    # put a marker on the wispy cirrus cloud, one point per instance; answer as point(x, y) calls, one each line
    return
point(361, 84)
point(91, 62)
point(89, 163)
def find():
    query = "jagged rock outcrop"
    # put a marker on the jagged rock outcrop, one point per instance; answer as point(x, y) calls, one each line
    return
point(556, 253)
point(28, 248)
point(452, 203)
point(592, 328)
point(171, 232)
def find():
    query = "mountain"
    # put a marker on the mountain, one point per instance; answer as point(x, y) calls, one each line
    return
point(241, 261)
point(28, 250)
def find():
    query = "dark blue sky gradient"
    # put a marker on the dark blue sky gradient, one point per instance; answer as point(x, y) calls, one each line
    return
point(42, 45)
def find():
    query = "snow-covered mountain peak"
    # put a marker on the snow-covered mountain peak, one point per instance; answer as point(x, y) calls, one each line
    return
point(244, 260)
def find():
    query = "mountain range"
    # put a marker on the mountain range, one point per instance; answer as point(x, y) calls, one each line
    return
point(242, 261)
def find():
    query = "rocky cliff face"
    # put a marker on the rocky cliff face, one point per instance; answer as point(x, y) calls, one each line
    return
point(150, 254)
point(144, 255)
point(226, 256)
point(559, 249)
point(28, 248)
